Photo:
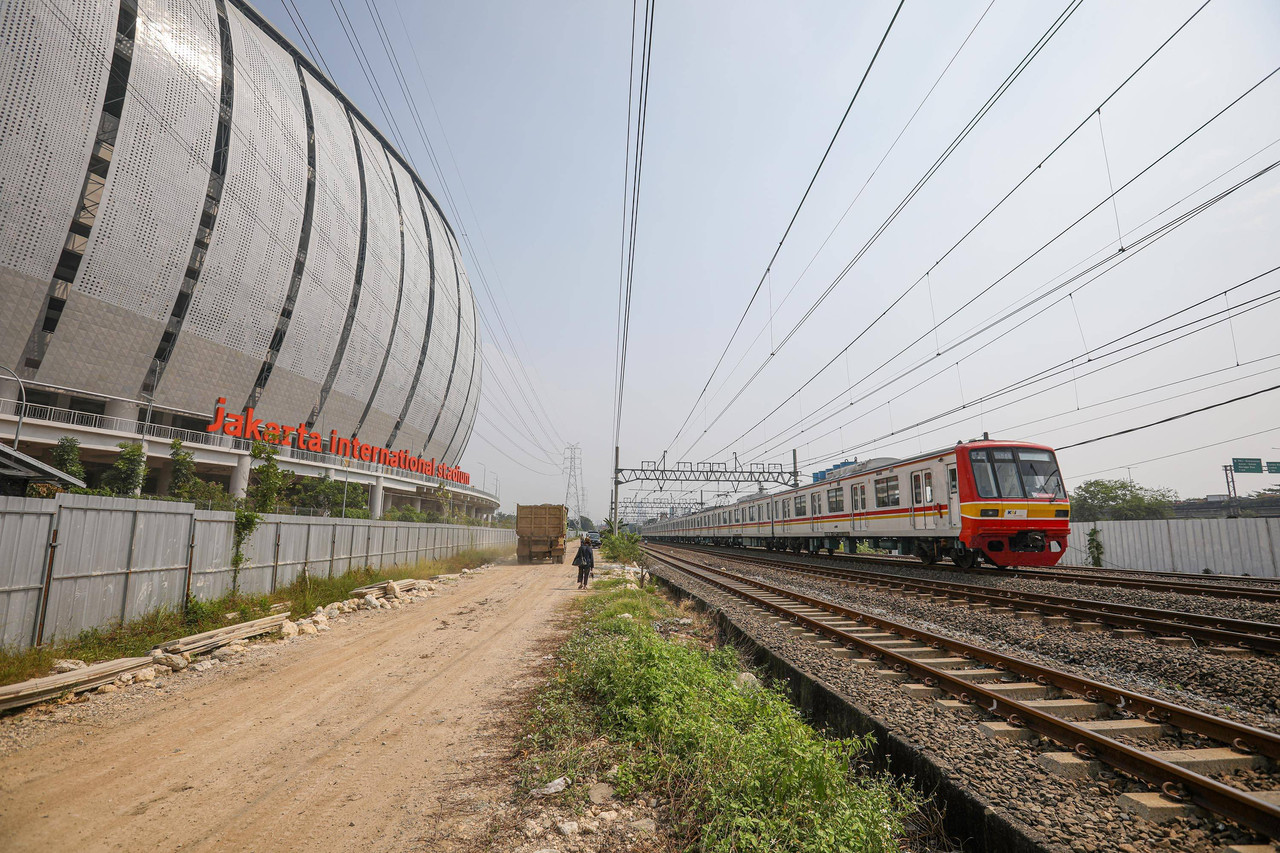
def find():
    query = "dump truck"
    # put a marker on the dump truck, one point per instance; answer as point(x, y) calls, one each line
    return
point(540, 530)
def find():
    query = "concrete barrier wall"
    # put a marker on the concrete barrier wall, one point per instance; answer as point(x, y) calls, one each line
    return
point(1233, 546)
point(83, 561)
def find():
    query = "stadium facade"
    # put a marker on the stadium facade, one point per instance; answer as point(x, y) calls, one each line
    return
point(202, 237)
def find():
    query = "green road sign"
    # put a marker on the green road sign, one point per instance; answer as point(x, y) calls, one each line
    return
point(1273, 467)
point(1246, 466)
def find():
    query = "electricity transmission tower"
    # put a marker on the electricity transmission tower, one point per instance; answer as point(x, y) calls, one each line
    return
point(573, 483)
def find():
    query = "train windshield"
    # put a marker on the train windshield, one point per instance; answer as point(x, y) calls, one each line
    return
point(1016, 473)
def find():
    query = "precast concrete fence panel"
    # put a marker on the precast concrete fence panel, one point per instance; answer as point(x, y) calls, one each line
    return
point(1234, 546)
point(76, 562)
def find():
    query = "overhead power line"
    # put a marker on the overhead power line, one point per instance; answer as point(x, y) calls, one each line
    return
point(931, 329)
point(794, 215)
point(631, 217)
point(973, 122)
point(1172, 418)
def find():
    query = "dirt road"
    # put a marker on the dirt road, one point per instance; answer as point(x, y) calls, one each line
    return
point(358, 739)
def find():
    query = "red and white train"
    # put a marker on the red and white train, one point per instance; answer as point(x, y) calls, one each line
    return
point(999, 501)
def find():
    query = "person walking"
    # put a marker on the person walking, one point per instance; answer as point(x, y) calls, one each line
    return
point(585, 561)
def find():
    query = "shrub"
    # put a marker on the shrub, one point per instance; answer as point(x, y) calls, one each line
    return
point(125, 475)
point(183, 480)
point(621, 547)
point(66, 457)
point(744, 771)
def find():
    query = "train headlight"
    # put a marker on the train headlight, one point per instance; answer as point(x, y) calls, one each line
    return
point(1062, 513)
point(990, 513)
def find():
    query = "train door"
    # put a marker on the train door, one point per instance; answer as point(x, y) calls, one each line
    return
point(815, 510)
point(919, 511)
point(858, 495)
point(953, 497)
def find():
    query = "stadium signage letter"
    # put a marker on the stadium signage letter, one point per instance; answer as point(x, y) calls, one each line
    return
point(248, 426)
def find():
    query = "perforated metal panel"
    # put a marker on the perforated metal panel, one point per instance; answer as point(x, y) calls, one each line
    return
point(54, 60)
point(330, 272)
point(468, 355)
point(154, 194)
point(406, 347)
point(371, 331)
point(255, 240)
point(469, 414)
point(237, 301)
point(435, 373)
point(455, 397)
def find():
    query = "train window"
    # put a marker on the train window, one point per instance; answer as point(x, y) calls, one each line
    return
point(786, 509)
point(775, 510)
point(917, 494)
point(817, 503)
point(835, 500)
point(737, 516)
point(887, 491)
point(951, 481)
point(928, 487)
point(1007, 474)
point(751, 513)
point(984, 477)
point(800, 510)
point(1040, 474)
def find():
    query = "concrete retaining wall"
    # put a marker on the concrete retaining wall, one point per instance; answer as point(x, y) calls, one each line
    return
point(83, 561)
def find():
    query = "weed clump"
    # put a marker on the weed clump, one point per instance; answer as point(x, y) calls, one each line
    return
point(743, 770)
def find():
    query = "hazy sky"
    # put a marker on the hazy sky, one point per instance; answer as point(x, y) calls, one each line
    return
point(744, 97)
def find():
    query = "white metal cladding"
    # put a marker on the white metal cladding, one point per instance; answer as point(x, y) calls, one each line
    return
point(329, 274)
point(468, 356)
point(379, 290)
point(154, 194)
point(456, 397)
point(53, 70)
point(430, 395)
point(469, 415)
point(25, 524)
point(247, 270)
point(406, 347)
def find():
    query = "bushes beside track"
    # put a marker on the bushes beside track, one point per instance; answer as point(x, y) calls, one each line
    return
point(741, 769)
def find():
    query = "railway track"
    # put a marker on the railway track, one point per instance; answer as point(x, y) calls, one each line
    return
point(1253, 589)
point(1087, 717)
point(1224, 635)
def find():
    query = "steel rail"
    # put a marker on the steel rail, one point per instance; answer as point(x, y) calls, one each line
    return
point(1201, 790)
point(1242, 633)
point(1213, 590)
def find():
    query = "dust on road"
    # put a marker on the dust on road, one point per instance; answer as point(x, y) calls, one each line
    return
point(359, 739)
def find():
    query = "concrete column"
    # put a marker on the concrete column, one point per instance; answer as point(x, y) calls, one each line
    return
point(9, 391)
point(122, 409)
point(240, 477)
point(375, 499)
point(164, 477)
point(417, 503)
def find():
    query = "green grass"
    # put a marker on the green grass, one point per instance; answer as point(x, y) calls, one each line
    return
point(743, 770)
point(138, 636)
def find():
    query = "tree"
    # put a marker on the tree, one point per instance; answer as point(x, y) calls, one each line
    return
point(1095, 548)
point(183, 481)
point(125, 475)
point(1099, 500)
point(66, 457)
point(269, 479)
point(585, 523)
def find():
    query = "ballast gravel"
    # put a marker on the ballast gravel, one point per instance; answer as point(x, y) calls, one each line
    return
point(1242, 689)
point(1229, 608)
point(1080, 816)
